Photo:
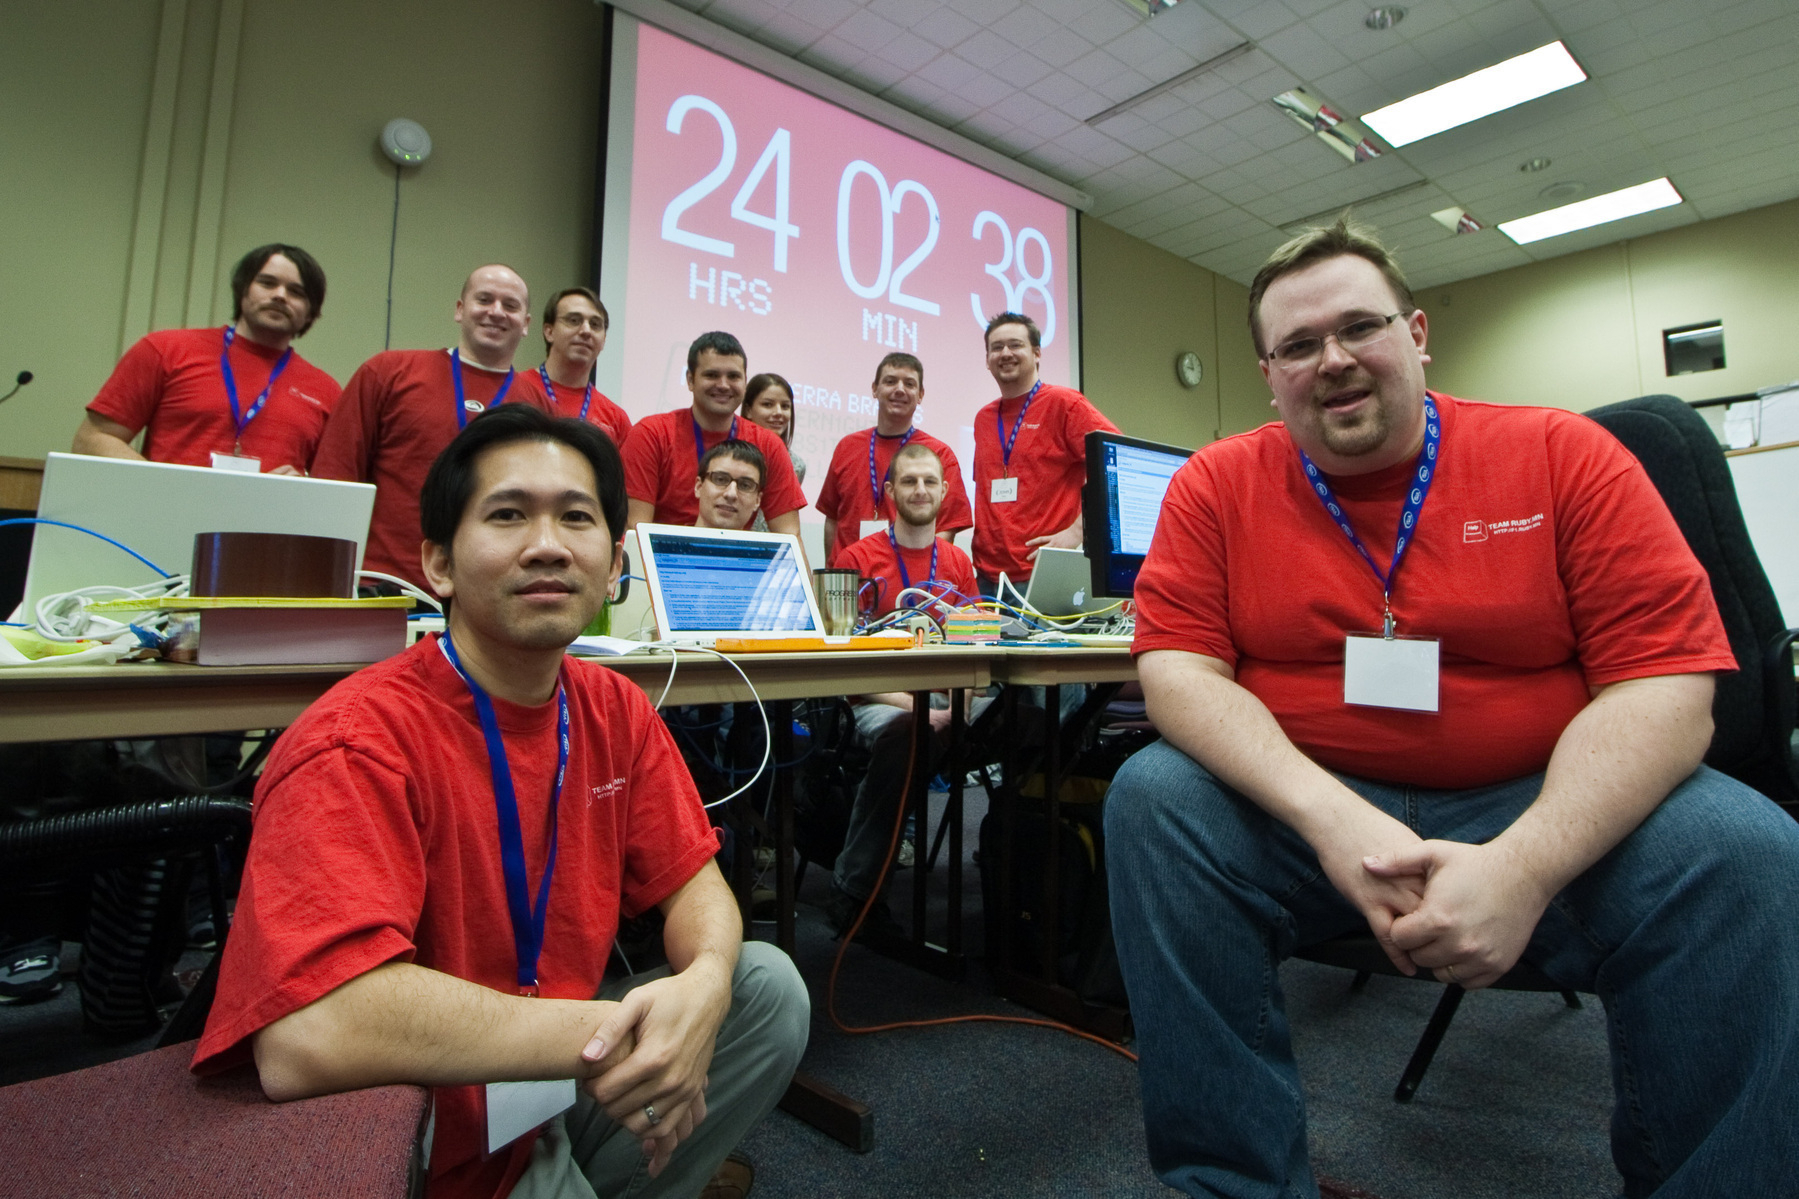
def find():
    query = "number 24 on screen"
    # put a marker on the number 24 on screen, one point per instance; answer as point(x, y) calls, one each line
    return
point(889, 281)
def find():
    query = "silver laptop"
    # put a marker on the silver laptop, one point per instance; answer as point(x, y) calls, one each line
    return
point(1062, 585)
point(710, 583)
point(158, 509)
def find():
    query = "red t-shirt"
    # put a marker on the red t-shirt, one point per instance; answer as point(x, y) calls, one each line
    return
point(661, 465)
point(375, 842)
point(602, 411)
point(846, 498)
point(873, 558)
point(170, 384)
point(397, 414)
point(1544, 561)
point(1049, 460)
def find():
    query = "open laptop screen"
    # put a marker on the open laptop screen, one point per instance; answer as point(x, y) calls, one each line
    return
point(709, 584)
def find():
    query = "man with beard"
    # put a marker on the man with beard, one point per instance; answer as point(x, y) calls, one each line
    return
point(237, 397)
point(906, 554)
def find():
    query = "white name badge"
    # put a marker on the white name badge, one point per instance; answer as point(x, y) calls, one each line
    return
point(871, 527)
point(515, 1108)
point(1397, 672)
point(1005, 491)
point(236, 462)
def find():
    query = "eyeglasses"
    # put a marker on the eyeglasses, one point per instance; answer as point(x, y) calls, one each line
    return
point(1358, 334)
point(725, 480)
point(574, 320)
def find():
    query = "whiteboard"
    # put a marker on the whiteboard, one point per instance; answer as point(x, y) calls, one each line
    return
point(1768, 489)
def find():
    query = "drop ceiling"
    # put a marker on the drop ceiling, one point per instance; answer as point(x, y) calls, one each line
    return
point(1703, 91)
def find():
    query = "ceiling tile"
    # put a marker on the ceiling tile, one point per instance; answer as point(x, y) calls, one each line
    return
point(946, 27)
point(1701, 92)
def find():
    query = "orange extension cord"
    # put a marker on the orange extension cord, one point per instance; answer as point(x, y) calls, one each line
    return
point(918, 726)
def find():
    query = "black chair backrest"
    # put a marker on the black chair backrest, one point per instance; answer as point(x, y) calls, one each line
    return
point(1754, 710)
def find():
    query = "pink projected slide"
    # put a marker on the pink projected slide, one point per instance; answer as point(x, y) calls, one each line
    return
point(823, 241)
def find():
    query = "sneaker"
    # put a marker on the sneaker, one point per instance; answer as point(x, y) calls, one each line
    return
point(31, 972)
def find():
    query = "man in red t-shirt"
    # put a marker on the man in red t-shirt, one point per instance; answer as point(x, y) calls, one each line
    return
point(1030, 457)
point(910, 552)
point(664, 450)
point(237, 397)
point(402, 407)
point(1441, 671)
point(852, 500)
point(574, 333)
point(729, 482)
point(906, 554)
point(444, 845)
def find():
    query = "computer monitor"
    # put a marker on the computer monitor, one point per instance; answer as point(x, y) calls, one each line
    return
point(710, 583)
point(1126, 480)
point(158, 508)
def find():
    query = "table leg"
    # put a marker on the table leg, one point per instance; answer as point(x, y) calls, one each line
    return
point(780, 720)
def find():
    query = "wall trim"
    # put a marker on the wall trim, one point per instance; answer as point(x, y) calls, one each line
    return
point(153, 177)
point(202, 305)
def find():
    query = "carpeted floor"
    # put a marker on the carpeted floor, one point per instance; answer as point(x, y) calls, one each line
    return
point(1515, 1105)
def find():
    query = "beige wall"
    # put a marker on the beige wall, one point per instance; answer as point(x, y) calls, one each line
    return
point(1140, 308)
point(148, 146)
point(1586, 329)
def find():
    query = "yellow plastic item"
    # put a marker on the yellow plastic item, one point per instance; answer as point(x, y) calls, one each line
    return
point(801, 645)
point(202, 603)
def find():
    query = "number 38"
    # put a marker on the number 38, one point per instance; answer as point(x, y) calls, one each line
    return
point(1012, 254)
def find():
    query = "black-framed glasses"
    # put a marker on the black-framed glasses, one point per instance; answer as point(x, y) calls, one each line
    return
point(724, 480)
point(1358, 334)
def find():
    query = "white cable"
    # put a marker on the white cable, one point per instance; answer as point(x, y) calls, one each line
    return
point(768, 739)
point(403, 585)
point(64, 616)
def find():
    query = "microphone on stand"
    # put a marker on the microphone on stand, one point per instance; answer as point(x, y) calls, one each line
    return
point(24, 378)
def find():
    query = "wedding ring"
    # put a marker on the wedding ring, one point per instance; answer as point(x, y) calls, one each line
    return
point(649, 1113)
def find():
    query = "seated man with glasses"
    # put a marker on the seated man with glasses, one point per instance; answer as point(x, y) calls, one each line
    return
point(729, 485)
point(1441, 670)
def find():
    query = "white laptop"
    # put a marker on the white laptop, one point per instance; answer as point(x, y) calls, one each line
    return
point(1062, 585)
point(158, 509)
point(710, 583)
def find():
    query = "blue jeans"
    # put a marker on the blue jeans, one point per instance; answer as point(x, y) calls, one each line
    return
point(1688, 931)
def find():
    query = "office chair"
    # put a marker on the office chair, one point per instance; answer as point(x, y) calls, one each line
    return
point(1753, 710)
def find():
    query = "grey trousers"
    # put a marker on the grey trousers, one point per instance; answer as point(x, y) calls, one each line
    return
point(582, 1154)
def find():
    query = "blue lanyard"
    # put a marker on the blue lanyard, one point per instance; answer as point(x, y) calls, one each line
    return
point(874, 480)
point(549, 391)
point(906, 579)
point(238, 418)
point(1005, 446)
point(461, 406)
point(699, 440)
point(1408, 516)
point(527, 920)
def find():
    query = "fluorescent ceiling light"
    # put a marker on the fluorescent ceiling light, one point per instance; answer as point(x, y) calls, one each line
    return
point(1613, 206)
point(1496, 88)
